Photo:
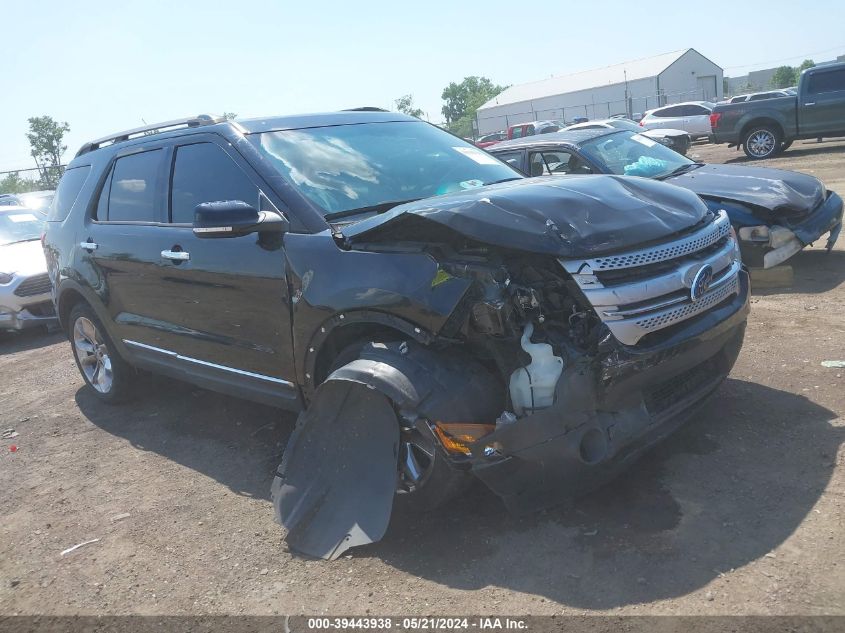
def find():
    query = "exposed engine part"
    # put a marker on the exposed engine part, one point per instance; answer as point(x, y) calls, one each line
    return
point(533, 387)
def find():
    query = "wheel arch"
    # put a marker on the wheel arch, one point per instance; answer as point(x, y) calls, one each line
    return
point(342, 330)
point(761, 122)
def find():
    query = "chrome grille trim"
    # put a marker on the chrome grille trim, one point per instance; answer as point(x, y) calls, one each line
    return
point(650, 301)
point(697, 241)
point(660, 285)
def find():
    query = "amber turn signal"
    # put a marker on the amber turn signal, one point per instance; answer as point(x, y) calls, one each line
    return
point(457, 436)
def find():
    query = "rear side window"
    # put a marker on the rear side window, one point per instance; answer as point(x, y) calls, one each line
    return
point(668, 112)
point(68, 191)
point(203, 172)
point(831, 81)
point(514, 159)
point(130, 193)
point(695, 110)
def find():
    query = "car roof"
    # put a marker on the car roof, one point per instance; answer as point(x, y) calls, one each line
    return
point(321, 119)
point(564, 137)
point(179, 127)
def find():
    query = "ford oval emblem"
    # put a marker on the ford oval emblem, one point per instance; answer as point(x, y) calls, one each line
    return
point(701, 282)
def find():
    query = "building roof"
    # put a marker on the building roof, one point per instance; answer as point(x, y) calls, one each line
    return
point(586, 79)
point(564, 137)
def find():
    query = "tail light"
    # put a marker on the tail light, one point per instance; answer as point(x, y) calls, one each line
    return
point(641, 122)
point(714, 119)
point(43, 235)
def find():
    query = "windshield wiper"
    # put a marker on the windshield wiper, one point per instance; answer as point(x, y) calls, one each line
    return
point(681, 170)
point(496, 182)
point(381, 207)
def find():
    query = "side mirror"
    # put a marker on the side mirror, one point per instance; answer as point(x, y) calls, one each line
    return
point(233, 218)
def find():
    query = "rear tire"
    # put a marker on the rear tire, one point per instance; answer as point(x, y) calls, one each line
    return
point(108, 377)
point(761, 142)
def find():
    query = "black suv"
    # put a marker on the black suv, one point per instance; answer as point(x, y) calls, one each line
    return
point(433, 314)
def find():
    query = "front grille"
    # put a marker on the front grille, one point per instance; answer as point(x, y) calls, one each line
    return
point(36, 285)
point(681, 387)
point(639, 292)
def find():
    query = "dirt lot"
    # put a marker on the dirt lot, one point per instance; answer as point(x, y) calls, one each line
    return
point(741, 512)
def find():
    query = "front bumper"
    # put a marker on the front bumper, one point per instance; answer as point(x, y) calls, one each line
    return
point(20, 310)
point(608, 411)
point(34, 315)
point(780, 243)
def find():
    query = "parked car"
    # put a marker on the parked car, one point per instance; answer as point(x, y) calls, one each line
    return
point(392, 282)
point(759, 96)
point(34, 200)
point(775, 213)
point(765, 128)
point(677, 140)
point(25, 299)
point(491, 139)
point(693, 117)
point(534, 127)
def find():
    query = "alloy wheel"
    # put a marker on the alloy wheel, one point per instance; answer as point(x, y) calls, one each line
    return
point(761, 143)
point(93, 355)
point(416, 461)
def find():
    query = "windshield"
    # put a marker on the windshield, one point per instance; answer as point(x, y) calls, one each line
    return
point(20, 226)
point(346, 167)
point(629, 154)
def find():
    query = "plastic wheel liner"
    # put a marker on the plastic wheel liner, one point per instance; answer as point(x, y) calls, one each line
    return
point(337, 479)
point(336, 483)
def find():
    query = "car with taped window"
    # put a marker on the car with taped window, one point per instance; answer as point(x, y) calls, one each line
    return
point(776, 213)
point(432, 314)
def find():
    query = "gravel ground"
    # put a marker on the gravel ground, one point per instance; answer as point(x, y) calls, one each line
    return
point(740, 512)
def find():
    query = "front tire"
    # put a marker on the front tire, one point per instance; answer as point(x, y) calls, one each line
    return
point(108, 377)
point(761, 142)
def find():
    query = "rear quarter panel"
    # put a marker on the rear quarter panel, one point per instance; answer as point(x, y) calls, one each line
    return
point(737, 117)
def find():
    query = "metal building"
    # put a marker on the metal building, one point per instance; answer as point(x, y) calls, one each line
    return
point(626, 88)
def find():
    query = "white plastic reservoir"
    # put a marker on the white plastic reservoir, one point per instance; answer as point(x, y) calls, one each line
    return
point(533, 387)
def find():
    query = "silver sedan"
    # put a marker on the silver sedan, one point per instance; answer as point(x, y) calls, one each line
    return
point(25, 299)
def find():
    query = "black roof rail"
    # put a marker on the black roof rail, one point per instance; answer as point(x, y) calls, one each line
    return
point(147, 130)
point(366, 109)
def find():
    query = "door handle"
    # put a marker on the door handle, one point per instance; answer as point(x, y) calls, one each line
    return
point(811, 103)
point(88, 246)
point(176, 256)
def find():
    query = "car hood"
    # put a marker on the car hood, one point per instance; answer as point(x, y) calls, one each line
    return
point(567, 216)
point(773, 194)
point(662, 131)
point(23, 258)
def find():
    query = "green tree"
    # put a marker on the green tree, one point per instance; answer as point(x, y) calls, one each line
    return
point(463, 99)
point(405, 104)
point(13, 183)
point(784, 77)
point(45, 139)
point(807, 63)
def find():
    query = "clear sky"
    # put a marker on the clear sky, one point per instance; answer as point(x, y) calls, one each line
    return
point(104, 65)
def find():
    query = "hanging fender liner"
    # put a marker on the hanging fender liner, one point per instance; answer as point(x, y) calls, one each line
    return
point(334, 488)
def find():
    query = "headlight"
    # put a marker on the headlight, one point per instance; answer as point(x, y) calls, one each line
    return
point(6, 278)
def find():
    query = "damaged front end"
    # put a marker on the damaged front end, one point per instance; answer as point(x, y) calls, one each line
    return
point(555, 368)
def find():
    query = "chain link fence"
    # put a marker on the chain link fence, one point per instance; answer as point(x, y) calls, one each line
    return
point(30, 179)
